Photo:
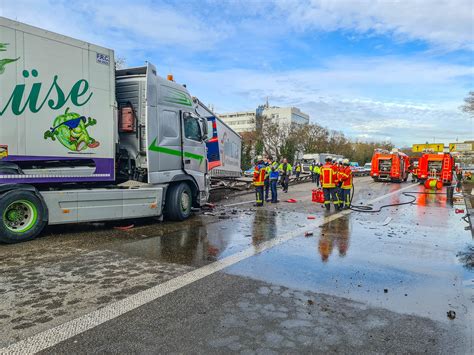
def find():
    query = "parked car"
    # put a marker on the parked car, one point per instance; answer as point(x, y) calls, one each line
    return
point(249, 172)
point(366, 169)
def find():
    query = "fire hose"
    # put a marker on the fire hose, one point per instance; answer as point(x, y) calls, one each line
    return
point(370, 209)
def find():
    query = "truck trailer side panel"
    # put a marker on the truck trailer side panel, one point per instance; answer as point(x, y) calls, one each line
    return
point(56, 106)
point(73, 206)
point(223, 146)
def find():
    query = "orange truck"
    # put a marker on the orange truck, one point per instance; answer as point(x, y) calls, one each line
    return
point(439, 166)
point(389, 166)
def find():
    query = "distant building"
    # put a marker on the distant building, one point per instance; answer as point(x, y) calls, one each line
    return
point(245, 121)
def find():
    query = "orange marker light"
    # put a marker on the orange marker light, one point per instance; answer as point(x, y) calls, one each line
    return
point(170, 77)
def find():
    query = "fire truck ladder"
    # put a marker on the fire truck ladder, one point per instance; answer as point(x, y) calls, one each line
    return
point(444, 172)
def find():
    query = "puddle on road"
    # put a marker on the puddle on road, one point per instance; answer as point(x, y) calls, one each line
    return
point(200, 244)
point(408, 265)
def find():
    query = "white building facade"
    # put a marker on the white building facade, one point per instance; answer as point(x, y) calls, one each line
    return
point(245, 121)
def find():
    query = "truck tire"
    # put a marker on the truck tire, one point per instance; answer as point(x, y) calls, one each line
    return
point(22, 216)
point(179, 200)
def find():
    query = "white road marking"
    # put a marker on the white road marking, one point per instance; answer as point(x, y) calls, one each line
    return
point(53, 336)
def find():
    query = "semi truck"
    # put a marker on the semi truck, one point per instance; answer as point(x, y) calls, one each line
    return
point(223, 146)
point(83, 142)
point(317, 158)
point(439, 166)
point(389, 166)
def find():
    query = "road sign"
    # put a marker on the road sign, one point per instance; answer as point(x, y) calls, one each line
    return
point(460, 147)
point(435, 147)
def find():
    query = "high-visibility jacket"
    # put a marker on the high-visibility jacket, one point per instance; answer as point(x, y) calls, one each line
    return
point(346, 177)
point(272, 170)
point(259, 175)
point(317, 169)
point(311, 167)
point(338, 168)
point(328, 176)
point(288, 169)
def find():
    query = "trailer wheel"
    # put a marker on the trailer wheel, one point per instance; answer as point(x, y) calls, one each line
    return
point(22, 216)
point(179, 200)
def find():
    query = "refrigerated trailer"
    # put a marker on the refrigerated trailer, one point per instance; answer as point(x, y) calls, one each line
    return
point(82, 142)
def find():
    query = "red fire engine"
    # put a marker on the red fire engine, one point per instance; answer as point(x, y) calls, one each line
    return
point(389, 166)
point(438, 166)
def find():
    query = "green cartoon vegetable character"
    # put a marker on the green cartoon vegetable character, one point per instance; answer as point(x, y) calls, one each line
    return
point(5, 61)
point(71, 130)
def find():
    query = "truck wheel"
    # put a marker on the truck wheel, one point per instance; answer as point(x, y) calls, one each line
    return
point(179, 200)
point(22, 216)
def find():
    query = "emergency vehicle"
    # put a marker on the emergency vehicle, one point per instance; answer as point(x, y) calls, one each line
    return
point(389, 166)
point(439, 166)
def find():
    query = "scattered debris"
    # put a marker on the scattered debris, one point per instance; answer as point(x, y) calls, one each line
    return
point(291, 200)
point(208, 206)
point(124, 228)
point(310, 302)
point(387, 221)
point(385, 290)
point(458, 210)
point(311, 217)
point(308, 234)
point(451, 315)
point(209, 214)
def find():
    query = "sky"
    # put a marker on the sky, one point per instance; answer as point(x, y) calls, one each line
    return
point(376, 70)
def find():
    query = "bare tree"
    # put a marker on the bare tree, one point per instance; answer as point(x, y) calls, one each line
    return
point(469, 103)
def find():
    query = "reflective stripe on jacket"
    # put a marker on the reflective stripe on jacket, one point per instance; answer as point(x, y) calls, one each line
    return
point(259, 175)
point(346, 177)
point(328, 176)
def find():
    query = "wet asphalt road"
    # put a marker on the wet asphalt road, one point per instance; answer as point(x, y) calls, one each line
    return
point(247, 280)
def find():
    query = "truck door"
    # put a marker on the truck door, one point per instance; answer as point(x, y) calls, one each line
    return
point(194, 146)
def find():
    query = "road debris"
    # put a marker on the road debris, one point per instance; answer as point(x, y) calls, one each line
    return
point(451, 314)
point(308, 234)
point(124, 228)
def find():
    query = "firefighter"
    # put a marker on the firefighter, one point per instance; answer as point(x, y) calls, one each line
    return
point(266, 185)
point(313, 173)
point(317, 170)
point(346, 187)
point(339, 167)
point(274, 174)
point(298, 170)
point(328, 179)
point(414, 173)
point(259, 180)
point(285, 172)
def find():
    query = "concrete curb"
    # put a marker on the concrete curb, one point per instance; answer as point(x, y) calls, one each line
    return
point(469, 209)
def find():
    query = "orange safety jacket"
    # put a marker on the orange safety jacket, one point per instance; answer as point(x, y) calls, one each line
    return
point(259, 175)
point(346, 177)
point(328, 176)
point(339, 170)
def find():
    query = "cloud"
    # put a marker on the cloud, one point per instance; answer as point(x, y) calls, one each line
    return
point(444, 23)
point(120, 24)
point(406, 99)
